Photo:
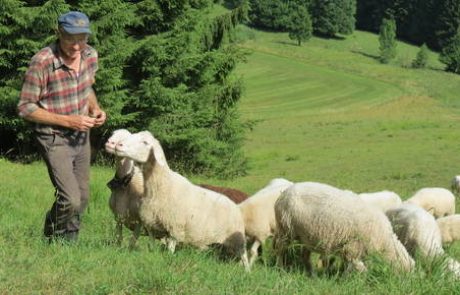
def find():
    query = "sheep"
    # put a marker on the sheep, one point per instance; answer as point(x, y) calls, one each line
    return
point(437, 201)
point(419, 232)
point(384, 199)
point(450, 228)
point(328, 220)
point(259, 214)
point(189, 213)
point(455, 184)
point(235, 195)
point(127, 188)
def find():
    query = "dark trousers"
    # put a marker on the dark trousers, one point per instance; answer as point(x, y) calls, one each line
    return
point(68, 160)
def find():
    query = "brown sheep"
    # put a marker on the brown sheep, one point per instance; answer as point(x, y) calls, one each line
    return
point(235, 195)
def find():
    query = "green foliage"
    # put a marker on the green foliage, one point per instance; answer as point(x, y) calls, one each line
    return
point(300, 27)
point(351, 114)
point(421, 60)
point(447, 21)
point(164, 65)
point(450, 54)
point(387, 40)
point(324, 15)
point(333, 16)
point(269, 14)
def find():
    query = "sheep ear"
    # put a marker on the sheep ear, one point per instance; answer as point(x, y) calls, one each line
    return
point(158, 154)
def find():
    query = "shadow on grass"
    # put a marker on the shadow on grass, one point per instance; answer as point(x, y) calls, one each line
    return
point(365, 54)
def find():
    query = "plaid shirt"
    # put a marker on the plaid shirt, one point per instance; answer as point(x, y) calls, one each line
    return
point(51, 85)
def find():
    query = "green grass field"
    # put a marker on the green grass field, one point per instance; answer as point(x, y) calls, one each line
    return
point(326, 111)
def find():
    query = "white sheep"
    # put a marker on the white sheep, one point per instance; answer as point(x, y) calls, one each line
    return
point(455, 184)
point(259, 214)
point(450, 228)
point(419, 232)
point(127, 188)
point(329, 220)
point(384, 199)
point(437, 201)
point(189, 213)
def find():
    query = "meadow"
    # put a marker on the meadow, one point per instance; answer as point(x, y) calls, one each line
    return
point(326, 111)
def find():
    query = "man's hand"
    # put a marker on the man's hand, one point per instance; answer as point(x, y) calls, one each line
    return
point(100, 117)
point(80, 123)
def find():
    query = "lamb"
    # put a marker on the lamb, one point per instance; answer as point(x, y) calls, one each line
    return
point(328, 220)
point(455, 184)
point(384, 199)
point(127, 188)
point(437, 201)
point(189, 213)
point(450, 228)
point(419, 232)
point(259, 214)
point(235, 195)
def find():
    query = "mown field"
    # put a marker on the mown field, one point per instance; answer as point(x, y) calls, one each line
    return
point(326, 111)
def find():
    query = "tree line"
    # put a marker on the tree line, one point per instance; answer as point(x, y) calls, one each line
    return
point(164, 66)
point(429, 23)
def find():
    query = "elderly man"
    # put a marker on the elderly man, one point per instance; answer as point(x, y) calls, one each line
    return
point(57, 96)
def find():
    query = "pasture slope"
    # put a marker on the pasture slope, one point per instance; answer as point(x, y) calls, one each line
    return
point(326, 111)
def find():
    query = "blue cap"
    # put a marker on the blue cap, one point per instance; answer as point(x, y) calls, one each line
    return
point(74, 22)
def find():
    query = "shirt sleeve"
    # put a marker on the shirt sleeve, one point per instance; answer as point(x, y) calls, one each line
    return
point(31, 90)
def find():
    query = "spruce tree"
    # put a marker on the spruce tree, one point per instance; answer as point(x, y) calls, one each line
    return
point(447, 21)
point(330, 17)
point(387, 39)
point(421, 59)
point(164, 66)
point(300, 27)
point(450, 54)
point(324, 16)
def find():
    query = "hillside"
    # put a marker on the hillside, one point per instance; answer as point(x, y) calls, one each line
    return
point(326, 111)
point(329, 111)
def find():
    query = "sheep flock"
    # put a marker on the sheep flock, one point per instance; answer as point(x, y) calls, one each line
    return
point(149, 198)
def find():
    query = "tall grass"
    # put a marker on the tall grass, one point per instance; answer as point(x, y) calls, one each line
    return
point(326, 111)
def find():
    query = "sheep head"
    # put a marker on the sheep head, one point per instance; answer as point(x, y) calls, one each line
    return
point(140, 147)
point(117, 136)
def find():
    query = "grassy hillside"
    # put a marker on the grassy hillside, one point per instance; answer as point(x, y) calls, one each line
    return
point(326, 111)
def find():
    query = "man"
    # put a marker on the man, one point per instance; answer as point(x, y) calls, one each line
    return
point(57, 96)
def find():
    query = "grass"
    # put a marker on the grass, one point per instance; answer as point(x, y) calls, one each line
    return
point(326, 111)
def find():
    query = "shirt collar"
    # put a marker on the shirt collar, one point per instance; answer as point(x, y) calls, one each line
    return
point(58, 61)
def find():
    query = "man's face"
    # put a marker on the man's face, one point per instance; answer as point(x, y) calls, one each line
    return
point(72, 44)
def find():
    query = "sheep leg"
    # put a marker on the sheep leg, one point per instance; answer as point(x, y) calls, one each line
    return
point(253, 252)
point(306, 257)
point(119, 232)
point(244, 260)
point(135, 236)
point(171, 244)
point(280, 249)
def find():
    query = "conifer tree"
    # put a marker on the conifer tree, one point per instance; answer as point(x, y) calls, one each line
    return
point(450, 54)
point(421, 59)
point(387, 39)
point(330, 17)
point(300, 27)
point(164, 66)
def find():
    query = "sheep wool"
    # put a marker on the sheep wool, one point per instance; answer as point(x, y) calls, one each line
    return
point(384, 200)
point(328, 220)
point(259, 214)
point(450, 228)
point(127, 188)
point(189, 213)
point(419, 232)
point(437, 201)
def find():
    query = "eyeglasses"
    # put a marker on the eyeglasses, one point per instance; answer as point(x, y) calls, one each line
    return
point(70, 40)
